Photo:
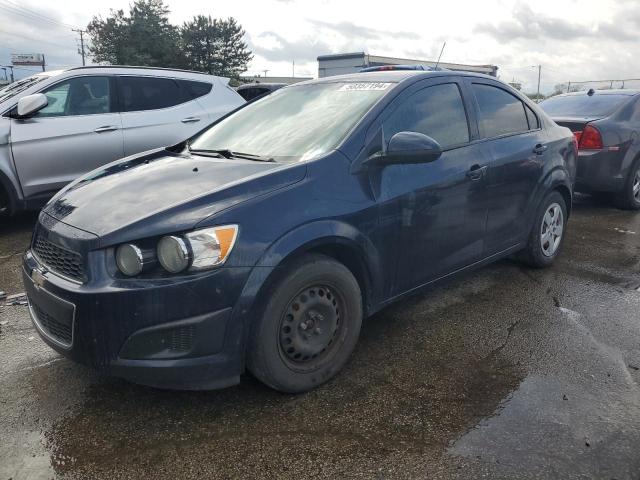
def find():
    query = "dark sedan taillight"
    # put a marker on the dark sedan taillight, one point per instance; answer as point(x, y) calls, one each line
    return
point(589, 138)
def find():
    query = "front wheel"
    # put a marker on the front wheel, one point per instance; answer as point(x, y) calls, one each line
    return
point(309, 325)
point(629, 198)
point(547, 234)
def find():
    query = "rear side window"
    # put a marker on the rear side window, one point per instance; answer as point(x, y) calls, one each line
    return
point(192, 90)
point(78, 96)
point(583, 105)
point(436, 111)
point(500, 112)
point(148, 93)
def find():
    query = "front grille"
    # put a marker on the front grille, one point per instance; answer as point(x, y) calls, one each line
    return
point(54, 328)
point(58, 259)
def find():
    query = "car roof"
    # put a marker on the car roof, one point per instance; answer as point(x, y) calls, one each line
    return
point(617, 91)
point(142, 70)
point(396, 76)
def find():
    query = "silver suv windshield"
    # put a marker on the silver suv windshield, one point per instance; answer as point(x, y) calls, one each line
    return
point(299, 122)
point(15, 88)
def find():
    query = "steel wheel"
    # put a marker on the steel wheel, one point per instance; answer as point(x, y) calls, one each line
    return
point(309, 326)
point(551, 230)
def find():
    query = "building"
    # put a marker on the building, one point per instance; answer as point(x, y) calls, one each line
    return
point(338, 64)
point(287, 80)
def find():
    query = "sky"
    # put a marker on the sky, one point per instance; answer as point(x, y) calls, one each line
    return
point(572, 40)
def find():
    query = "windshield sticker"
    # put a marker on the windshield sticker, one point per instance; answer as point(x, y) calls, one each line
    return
point(364, 86)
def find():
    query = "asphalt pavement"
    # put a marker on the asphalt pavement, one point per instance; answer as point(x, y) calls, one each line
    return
point(506, 372)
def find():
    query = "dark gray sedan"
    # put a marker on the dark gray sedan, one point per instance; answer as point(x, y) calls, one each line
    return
point(606, 124)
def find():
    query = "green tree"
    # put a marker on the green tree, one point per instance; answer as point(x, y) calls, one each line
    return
point(144, 37)
point(215, 46)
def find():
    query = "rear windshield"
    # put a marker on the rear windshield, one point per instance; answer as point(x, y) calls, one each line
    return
point(583, 105)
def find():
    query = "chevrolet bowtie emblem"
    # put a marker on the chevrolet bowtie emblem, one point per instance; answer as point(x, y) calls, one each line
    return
point(37, 277)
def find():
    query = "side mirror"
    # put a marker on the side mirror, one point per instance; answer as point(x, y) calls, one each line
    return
point(31, 104)
point(412, 147)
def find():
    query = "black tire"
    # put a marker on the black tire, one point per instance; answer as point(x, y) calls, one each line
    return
point(314, 303)
point(538, 252)
point(629, 199)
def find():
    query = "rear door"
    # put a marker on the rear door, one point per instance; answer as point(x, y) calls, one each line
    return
point(518, 149)
point(78, 131)
point(159, 111)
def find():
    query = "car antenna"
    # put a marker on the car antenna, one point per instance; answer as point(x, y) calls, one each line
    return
point(441, 52)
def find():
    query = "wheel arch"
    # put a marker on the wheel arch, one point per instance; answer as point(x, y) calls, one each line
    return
point(7, 188)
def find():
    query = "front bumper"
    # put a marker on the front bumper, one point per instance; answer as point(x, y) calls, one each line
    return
point(174, 333)
point(600, 171)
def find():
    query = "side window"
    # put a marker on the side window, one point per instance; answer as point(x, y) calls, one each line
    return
point(534, 123)
point(148, 93)
point(78, 96)
point(500, 112)
point(192, 90)
point(437, 111)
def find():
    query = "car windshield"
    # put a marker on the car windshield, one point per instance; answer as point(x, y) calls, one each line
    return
point(21, 85)
point(294, 123)
point(583, 105)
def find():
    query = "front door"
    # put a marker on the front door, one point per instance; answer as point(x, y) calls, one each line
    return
point(438, 209)
point(78, 131)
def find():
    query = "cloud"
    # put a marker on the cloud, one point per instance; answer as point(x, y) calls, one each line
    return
point(276, 48)
point(349, 29)
point(529, 25)
point(526, 24)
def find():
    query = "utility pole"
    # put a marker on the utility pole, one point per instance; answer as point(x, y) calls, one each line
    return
point(81, 51)
point(539, 71)
point(293, 68)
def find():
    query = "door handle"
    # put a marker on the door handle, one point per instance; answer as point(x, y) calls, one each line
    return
point(106, 128)
point(476, 172)
point(190, 120)
point(539, 149)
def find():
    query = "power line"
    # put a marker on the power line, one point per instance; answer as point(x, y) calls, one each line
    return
point(39, 40)
point(28, 13)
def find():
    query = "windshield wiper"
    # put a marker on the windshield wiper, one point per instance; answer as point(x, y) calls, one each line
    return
point(251, 156)
point(211, 153)
point(226, 153)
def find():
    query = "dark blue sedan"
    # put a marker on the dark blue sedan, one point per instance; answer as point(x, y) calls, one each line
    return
point(262, 243)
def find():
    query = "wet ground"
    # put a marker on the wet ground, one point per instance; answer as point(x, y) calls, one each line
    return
point(505, 373)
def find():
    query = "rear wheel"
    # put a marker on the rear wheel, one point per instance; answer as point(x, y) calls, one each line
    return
point(547, 234)
point(309, 325)
point(629, 198)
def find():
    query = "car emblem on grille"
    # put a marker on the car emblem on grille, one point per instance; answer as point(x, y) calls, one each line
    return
point(38, 277)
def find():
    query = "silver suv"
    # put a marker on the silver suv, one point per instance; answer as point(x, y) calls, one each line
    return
point(56, 126)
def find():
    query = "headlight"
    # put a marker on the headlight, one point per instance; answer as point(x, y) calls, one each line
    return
point(211, 246)
point(173, 254)
point(129, 259)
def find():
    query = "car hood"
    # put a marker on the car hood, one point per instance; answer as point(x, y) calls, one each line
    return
point(166, 190)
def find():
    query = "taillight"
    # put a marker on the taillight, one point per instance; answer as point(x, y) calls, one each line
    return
point(590, 139)
point(576, 140)
point(576, 136)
